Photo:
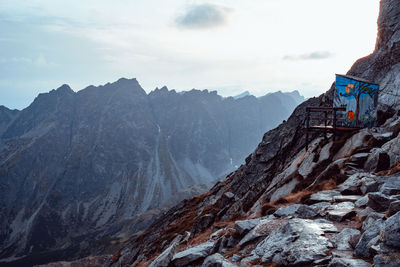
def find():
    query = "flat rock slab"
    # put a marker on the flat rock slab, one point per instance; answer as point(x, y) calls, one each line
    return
point(351, 198)
point(343, 262)
point(340, 215)
point(184, 258)
point(300, 241)
point(326, 196)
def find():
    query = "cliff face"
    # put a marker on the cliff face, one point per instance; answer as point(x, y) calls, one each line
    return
point(91, 167)
point(280, 173)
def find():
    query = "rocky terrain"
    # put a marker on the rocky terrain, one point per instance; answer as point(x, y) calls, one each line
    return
point(82, 171)
point(335, 204)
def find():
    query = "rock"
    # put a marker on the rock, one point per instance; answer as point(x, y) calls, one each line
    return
point(359, 159)
point(378, 201)
point(391, 186)
point(244, 226)
point(236, 258)
point(297, 211)
point(284, 190)
point(387, 260)
point(362, 249)
point(356, 141)
point(321, 207)
point(346, 198)
point(217, 260)
point(300, 241)
point(326, 195)
point(166, 256)
point(326, 226)
point(340, 215)
point(226, 198)
point(370, 219)
point(193, 254)
point(263, 228)
point(390, 234)
point(362, 202)
point(394, 207)
point(369, 183)
point(343, 262)
point(342, 240)
point(202, 224)
point(351, 185)
point(363, 214)
point(392, 149)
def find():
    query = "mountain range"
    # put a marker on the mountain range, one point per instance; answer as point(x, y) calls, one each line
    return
point(81, 171)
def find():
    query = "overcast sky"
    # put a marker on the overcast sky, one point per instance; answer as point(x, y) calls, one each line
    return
point(225, 45)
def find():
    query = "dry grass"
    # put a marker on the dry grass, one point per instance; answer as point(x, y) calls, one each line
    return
point(267, 209)
point(201, 238)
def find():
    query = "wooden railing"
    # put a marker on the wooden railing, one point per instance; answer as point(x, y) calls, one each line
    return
point(329, 119)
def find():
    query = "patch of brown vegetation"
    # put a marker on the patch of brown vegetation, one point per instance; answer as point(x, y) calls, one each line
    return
point(116, 256)
point(201, 238)
point(267, 209)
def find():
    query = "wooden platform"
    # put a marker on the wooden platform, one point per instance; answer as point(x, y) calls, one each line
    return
point(329, 119)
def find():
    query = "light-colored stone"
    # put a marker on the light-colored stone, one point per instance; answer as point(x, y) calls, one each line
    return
point(343, 262)
point(165, 257)
point(184, 258)
point(217, 260)
point(300, 241)
point(326, 195)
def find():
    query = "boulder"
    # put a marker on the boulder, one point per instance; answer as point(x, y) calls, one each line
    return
point(297, 211)
point(342, 240)
point(217, 260)
point(362, 249)
point(343, 262)
point(299, 242)
point(191, 255)
point(391, 186)
point(244, 226)
point(165, 257)
point(378, 201)
point(370, 219)
point(390, 234)
point(362, 202)
point(394, 207)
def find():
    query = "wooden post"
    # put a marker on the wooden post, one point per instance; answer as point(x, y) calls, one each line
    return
point(334, 123)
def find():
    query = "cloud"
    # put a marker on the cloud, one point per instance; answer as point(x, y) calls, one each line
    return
point(310, 56)
point(203, 16)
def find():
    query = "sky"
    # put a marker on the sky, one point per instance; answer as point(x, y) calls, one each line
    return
point(226, 45)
